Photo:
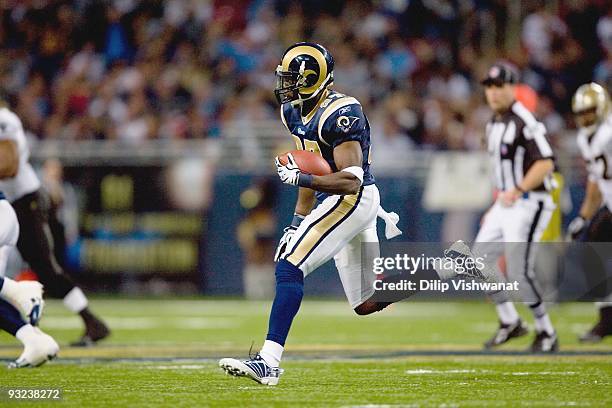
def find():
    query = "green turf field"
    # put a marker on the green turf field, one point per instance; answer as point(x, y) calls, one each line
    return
point(164, 352)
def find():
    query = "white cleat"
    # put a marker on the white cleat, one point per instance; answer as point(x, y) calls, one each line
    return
point(28, 299)
point(39, 349)
point(468, 266)
point(256, 369)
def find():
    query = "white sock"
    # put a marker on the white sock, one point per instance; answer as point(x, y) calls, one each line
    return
point(9, 289)
point(26, 334)
point(75, 300)
point(271, 352)
point(507, 313)
point(541, 319)
point(543, 324)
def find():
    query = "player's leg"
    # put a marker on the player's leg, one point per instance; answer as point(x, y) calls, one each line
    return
point(25, 296)
point(522, 232)
point(357, 280)
point(38, 347)
point(319, 237)
point(36, 247)
point(489, 245)
point(302, 256)
point(19, 299)
point(600, 230)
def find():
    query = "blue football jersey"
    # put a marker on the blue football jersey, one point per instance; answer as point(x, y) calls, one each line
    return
point(338, 119)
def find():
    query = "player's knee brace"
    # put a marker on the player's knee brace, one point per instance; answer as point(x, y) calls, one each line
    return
point(286, 272)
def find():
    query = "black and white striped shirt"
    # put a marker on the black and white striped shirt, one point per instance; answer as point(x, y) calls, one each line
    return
point(516, 140)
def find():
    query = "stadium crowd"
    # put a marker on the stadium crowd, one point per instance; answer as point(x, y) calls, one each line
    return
point(134, 70)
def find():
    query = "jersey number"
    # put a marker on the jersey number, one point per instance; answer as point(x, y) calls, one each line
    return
point(310, 145)
point(313, 146)
point(599, 166)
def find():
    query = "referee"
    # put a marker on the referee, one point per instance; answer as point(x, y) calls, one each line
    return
point(522, 162)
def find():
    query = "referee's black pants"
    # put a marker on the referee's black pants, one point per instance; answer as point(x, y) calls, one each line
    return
point(36, 244)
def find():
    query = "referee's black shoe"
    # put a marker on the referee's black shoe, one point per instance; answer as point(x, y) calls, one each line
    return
point(95, 330)
point(506, 332)
point(545, 343)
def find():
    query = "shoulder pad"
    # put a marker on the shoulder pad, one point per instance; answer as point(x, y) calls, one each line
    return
point(342, 107)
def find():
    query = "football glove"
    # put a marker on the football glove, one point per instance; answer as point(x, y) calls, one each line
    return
point(576, 227)
point(284, 241)
point(289, 173)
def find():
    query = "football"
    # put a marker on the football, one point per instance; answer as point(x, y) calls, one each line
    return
point(308, 162)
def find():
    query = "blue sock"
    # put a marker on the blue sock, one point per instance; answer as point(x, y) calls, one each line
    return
point(289, 293)
point(10, 319)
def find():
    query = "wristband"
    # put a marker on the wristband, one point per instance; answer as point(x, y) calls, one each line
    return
point(297, 220)
point(305, 180)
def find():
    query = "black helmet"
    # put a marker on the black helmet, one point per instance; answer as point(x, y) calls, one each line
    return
point(305, 70)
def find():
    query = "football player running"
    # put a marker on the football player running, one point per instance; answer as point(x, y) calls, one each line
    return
point(21, 303)
point(334, 214)
point(591, 107)
point(22, 188)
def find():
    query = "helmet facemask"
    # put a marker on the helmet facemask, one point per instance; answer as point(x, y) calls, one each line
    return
point(305, 71)
point(288, 84)
point(587, 118)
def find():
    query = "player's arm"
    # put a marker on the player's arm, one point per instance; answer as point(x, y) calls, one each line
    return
point(536, 174)
point(590, 205)
point(592, 201)
point(305, 201)
point(9, 159)
point(348, 179)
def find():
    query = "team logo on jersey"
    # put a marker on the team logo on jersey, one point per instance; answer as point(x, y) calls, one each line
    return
point(342, 111)
point(301, 131)
point(345, 123)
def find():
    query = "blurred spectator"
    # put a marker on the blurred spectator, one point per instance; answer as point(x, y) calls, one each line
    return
point(133, 70)
point(539, 31)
